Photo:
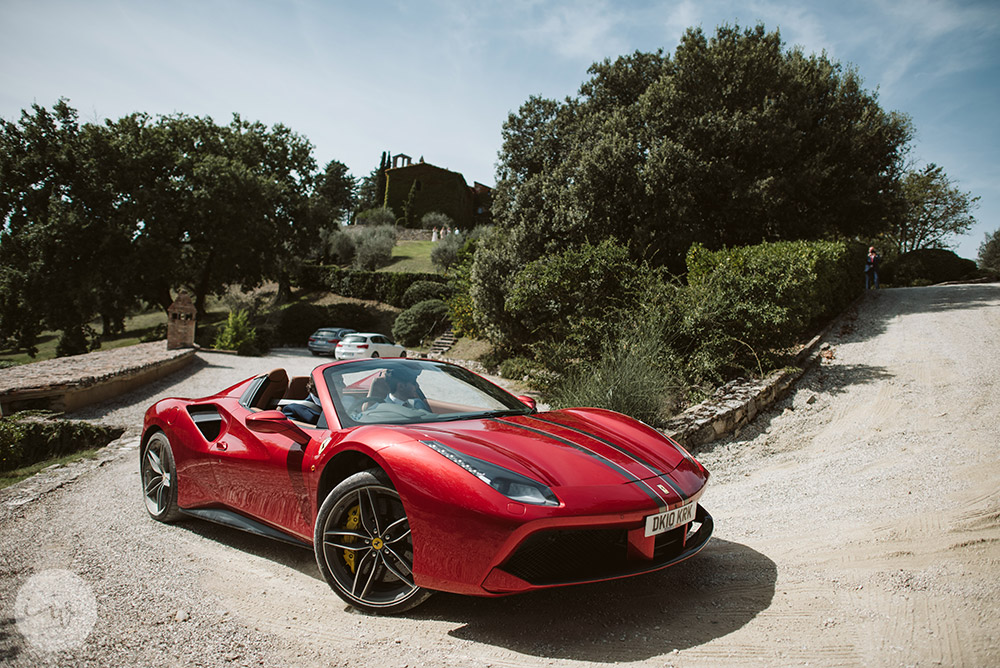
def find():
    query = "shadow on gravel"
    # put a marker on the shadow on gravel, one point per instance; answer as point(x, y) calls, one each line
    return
point(10, 640)
point(837, 378)
point(709, 596)
point(300, 558)
point(877, 308)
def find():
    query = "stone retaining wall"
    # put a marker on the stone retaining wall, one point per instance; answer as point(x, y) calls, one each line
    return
point(69, 383)
point(738, 402)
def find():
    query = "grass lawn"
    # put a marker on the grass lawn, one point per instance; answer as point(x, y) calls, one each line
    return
point(413, 257)
point(137, 326)
point(8, 478)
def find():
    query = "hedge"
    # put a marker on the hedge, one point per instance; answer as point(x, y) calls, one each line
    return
point(927, 266)
point(744, 306)
point(382, 286)
point(30, 437)
point(296, 321)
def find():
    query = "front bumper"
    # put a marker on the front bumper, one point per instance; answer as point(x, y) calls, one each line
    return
point(562, 556)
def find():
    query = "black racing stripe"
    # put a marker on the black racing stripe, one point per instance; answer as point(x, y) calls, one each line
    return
point(651, 493)
point(602, 440)
point(620, 449)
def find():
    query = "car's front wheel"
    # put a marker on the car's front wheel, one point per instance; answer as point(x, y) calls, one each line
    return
point(363, 545)
point(159, 478)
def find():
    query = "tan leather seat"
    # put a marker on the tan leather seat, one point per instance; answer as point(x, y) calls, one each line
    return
point(273, 389)
point(377, 393)
point(298, 388)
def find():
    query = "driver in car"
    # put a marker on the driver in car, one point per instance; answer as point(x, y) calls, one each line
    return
point(403, 389)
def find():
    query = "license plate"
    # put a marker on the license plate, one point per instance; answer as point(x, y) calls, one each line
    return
point(671, 519)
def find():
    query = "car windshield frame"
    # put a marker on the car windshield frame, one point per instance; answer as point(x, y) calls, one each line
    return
point(346, 381)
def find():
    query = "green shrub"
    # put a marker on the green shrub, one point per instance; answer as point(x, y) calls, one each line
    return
point(421, 321)
point(744, 307)
point(373, 246)
point(336, 246)
point(382, 286)
point(29, 437)
point(517, 367)
point(462, 313)
point(577, 297)
point(445, 252)
point(12, 433)
point(436, 219)
point(382, 216)
point(989, 252)
point(631, 376)
point(423, 290)
point(927, 266)
point(237, 334)
point(77, 340)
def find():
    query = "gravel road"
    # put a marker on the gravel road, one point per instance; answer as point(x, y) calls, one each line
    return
point(857, 524)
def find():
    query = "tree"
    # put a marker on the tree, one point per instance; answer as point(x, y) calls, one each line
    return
point(934, 210)
point(96, 217)
point(60, 224)
point(732, 140)
point(228, 205)
point(371, 193)
point(335, 193)
point(989, 252)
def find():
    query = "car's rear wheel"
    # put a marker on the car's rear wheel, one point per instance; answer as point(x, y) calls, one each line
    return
point(159, 479)
point(374, 355)
point(363, 545)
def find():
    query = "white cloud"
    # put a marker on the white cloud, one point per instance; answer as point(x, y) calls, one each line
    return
point(577, 30)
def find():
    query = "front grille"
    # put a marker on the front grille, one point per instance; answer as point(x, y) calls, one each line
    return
point(562, 556)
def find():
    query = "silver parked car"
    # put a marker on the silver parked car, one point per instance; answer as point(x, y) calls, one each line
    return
point(367, 344)
point(325, 339)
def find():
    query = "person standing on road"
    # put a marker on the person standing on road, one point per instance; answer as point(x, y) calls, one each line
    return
point(871, 269)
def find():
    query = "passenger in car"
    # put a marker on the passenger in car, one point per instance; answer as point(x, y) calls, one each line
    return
point(307, 410)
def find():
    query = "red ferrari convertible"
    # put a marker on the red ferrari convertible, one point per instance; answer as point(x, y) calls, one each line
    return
point(408, 476)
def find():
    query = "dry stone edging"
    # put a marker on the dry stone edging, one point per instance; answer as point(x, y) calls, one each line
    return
point(738, 402)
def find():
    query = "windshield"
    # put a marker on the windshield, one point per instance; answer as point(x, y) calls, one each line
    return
point(401, 391)
point(353, 338)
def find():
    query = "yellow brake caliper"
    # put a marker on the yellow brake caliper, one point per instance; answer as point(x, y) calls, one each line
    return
point(353, 522)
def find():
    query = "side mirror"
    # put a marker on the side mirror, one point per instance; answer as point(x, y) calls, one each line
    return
point(527, 401)
point(275, 422)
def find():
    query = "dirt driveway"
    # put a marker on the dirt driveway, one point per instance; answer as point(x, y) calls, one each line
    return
point(858, 524)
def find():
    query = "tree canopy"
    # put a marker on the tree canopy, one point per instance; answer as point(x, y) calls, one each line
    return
point(96, 217)
point(934, 210)
point(989, 252)
point(732, 140)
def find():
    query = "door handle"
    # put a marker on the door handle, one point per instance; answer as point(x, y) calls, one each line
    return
point(221, 445)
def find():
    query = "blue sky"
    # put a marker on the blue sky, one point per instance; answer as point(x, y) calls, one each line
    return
point(438, 78)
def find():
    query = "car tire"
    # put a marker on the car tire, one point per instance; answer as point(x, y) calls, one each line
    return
point(374, 355)
point(159, 479)
point(363, 545)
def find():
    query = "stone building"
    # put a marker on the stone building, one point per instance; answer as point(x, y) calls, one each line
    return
point(414, 189)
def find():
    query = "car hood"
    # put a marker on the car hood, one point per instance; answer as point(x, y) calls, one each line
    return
point(579, 447)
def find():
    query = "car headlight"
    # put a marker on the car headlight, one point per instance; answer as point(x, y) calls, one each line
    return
point(512, 485)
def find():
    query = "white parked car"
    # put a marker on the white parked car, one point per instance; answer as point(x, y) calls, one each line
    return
point(367, 344)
